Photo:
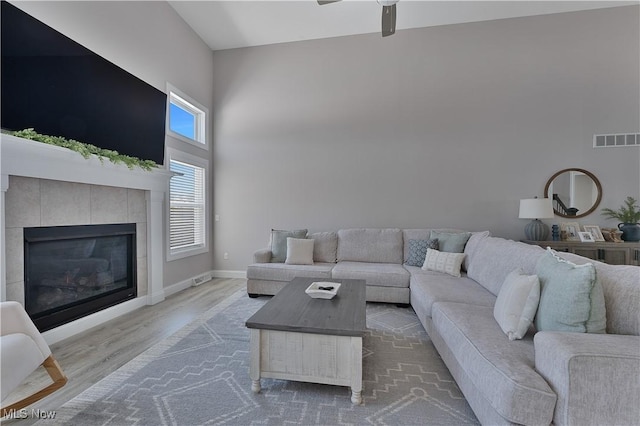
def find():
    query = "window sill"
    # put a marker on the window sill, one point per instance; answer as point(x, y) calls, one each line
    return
point(181, 254)
point(179, 137)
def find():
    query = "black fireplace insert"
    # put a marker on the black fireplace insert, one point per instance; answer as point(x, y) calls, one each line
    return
point(74, 271)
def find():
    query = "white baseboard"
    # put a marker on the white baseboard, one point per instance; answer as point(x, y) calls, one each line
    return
point(85, 323)
point(219, 273)
point(189, 282)
point(177, 287)
point(157, 297)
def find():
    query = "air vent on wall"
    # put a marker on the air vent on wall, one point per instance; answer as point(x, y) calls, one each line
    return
point(616, 140)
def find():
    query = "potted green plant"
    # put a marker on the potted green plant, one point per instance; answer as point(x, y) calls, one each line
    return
point(629, 215)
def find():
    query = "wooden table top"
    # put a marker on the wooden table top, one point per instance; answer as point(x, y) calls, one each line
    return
point(294, 310)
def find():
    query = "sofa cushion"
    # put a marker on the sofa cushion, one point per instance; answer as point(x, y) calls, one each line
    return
point(571, 298)
point(517, 303)
point(376, 274)
point(494, 258)
point(420, 234)
point(284, 272)
point(452, 242)
point(621, 294)
point(418, 251)
point(428, 287)
point(278, 244)
point(503, 371)
point(370, 245)
point(325, 248)
point(299, 251)
point(440, 261)
point(471, 247)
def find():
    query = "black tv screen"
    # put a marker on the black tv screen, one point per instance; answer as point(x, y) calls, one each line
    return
point(60, 88)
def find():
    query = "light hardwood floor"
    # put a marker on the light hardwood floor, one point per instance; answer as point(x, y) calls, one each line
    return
point(94, 354)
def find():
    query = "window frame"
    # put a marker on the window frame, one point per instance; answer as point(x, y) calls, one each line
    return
point(183, 157)
point(199, 111)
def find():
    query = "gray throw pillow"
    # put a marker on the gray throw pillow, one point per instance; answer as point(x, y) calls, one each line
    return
point(325, 248)
point(451, 242)
point(571, 298)
point(279, 243)
point(418, 251)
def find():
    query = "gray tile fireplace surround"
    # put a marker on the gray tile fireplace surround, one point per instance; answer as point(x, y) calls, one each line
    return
point(33, 202)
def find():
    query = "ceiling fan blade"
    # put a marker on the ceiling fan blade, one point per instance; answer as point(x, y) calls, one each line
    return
point(321, 2)
point(388, 20)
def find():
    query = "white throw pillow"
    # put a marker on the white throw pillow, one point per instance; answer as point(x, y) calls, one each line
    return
point(441, 261)
point(517, 303)
point(299, 251)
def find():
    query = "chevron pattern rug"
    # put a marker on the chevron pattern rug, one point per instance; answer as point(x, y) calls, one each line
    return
point(200, 375)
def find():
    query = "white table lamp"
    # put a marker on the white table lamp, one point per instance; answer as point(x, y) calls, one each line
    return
point(536, 209)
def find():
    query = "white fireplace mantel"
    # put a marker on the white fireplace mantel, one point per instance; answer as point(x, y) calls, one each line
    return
point(23, 157)
point(26, 158)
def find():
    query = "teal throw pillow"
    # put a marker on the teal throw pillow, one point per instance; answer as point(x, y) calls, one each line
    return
point(571, 298)
point(279, 243)
point(418, 251)
point(452, 242)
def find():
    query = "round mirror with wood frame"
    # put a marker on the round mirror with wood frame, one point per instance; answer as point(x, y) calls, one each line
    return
point(574, 192)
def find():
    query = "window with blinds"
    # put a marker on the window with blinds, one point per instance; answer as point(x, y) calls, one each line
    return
point(187, 228)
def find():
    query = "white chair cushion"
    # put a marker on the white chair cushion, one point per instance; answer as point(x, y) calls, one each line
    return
point(14, 319)
point(20, 357)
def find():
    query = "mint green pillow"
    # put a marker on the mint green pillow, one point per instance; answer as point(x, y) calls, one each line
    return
point(571, 298)
point(452, 242)
point(279, 243)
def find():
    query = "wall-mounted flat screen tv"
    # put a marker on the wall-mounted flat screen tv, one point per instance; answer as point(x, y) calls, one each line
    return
point(60, 88)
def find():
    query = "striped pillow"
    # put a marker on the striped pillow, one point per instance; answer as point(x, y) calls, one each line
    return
point(441, 261)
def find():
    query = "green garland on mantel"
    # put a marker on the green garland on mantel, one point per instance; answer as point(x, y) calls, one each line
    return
point(86, 150)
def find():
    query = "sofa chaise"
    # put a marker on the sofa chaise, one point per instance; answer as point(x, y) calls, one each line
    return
point(544, 377)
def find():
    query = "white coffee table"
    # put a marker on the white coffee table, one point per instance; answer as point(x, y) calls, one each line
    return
point(296, 337)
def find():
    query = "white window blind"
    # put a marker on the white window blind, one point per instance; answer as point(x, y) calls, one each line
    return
point(187, 207)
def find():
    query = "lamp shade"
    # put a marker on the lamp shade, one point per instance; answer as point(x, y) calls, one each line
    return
point(536, 208)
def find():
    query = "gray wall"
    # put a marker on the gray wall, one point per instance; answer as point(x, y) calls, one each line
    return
point(149, 40)
point(438, 127)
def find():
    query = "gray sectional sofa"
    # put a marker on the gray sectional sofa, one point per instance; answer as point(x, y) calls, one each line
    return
point(548, 377)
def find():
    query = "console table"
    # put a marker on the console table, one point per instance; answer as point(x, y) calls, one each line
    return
point(607, 252)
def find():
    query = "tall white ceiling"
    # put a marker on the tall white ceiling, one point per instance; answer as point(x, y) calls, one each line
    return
point(241, 23)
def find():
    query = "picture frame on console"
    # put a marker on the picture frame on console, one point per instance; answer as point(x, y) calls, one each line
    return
point(595, 231)
point(570, 230)
point(586, 237)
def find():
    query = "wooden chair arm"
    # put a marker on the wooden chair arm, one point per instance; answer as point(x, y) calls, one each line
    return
point(59, 380)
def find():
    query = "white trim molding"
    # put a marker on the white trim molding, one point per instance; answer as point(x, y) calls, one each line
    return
point(200, 112)
point(85, 323)
point(26, 158)
point(221, 273)
point(177, 155)
point(4, 185)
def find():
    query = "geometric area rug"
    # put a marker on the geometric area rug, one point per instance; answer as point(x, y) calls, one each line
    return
point(200, 375)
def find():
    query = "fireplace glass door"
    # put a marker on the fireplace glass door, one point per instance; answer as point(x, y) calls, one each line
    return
point(72, 271)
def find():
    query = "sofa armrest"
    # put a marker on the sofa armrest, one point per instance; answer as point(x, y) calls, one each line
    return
point(596, 376)
point(262, 256)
